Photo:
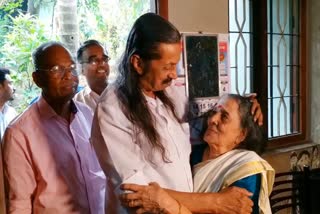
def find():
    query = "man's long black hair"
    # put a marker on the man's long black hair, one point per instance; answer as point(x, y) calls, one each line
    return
point(145, 37)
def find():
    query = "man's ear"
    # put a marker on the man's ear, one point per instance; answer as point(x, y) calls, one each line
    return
point(37, 79)
point(137, 63)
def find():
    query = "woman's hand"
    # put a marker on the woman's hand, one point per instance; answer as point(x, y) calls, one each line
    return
point(151, 199)
point(233, 200)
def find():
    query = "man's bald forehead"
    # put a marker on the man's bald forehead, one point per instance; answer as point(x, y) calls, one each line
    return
point(44, 51)
point(49, 48)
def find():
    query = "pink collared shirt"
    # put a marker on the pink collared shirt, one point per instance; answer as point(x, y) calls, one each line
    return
point(49, 164)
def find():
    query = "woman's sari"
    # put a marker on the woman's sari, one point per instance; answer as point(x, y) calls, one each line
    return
point(219, 173)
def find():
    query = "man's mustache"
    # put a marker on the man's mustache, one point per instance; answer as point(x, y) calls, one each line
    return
point(166, 81)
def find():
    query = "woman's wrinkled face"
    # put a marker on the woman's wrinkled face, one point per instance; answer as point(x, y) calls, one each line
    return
point(224, 129)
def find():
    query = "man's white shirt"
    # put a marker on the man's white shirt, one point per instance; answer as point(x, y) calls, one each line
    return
point(7, 114)
point(128, 158)
point(88, 97)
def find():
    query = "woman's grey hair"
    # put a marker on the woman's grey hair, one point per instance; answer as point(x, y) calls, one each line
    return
point(254, 140)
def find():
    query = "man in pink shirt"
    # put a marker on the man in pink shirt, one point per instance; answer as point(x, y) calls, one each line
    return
point(49, 164)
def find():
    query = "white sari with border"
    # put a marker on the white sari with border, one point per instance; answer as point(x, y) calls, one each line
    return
point(219, 173)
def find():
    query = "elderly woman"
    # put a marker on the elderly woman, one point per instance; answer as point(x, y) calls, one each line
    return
point(230, 158)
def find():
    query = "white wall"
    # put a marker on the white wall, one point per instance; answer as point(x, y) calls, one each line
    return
point(314, 67)
point(199, 15)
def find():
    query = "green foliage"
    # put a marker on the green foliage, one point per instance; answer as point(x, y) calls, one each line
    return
point(88, 26)
point(4, 22)
point(25, 34)
point(109, 21)
point(10, 6)
point(104, 20)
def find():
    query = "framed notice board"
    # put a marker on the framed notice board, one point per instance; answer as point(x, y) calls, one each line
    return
point(201, 65)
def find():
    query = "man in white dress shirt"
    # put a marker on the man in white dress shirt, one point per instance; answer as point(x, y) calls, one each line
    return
point(93, 61)
point(7, 113)
point(138, 130)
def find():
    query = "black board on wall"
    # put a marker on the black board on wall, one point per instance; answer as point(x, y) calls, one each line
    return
point(202, 65)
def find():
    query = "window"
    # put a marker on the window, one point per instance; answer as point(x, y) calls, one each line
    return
point(267, 56)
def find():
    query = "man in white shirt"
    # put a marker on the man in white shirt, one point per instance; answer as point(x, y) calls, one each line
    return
point(138, 130)
point(7, 113)
point(93, 61)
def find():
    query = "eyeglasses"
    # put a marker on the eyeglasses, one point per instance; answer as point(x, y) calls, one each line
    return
point(97, 61)
point(58, 71)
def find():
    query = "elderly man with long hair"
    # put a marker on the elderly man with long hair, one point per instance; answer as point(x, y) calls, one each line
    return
point(138, 129)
